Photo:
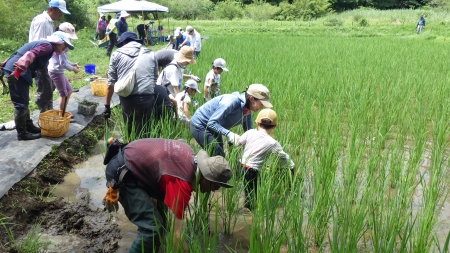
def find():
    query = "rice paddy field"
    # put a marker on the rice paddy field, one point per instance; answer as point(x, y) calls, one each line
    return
point(365, 119)
point(366, 122)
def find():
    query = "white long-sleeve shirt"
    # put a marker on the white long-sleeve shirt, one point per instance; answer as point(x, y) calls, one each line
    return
point(41, 27)
point(59, 62)
point(195, 41)
point(258, 147)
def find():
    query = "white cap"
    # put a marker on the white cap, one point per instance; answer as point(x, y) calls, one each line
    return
point(220, 63)
point(191, 83)
point(69, 29)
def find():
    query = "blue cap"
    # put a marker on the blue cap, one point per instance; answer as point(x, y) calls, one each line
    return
point(60, 4)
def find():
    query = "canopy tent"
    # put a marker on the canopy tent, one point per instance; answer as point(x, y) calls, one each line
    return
point(132, 6)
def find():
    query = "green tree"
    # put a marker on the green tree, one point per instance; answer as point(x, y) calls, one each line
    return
point(228, 9)
point(261, 11)
point(308, 9)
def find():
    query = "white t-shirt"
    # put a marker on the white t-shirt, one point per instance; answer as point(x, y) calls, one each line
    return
point(180, 104)
point(258, 147)
point(171, 76)
point(214, 88)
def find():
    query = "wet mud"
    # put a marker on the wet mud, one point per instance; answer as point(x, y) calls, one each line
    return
point(64, 226)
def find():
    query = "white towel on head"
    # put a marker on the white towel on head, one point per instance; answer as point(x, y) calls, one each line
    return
point(8, 125)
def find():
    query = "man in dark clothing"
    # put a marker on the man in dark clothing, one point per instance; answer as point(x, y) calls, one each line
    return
point(165, 170)
point(164, 107)
point(121, 24)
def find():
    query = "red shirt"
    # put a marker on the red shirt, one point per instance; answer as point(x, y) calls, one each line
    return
point(177, 194)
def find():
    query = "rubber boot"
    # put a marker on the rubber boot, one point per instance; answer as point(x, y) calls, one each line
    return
point(31, 128)
point(20, 118)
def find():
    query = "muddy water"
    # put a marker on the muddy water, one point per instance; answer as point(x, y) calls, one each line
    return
point(87, 182)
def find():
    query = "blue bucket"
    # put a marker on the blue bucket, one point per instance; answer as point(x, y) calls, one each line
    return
point(89, 69)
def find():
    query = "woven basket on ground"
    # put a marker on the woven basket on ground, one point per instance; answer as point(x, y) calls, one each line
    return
point(52, 124)
point(98, 87)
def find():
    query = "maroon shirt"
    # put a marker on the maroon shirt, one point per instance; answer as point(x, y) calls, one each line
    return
point(149, 159)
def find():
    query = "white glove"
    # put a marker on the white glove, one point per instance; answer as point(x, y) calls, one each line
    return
point(196, 78)
point(233, 138)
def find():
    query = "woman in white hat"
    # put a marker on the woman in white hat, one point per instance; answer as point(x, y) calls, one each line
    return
point(122, 25)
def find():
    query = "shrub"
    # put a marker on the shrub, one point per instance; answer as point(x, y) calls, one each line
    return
point(228, 9)
point(357, 17)
point(189, 9)
point(333, 22)
point(308, 9)
point(286, 11)
point(261, 11)
point(363, 22)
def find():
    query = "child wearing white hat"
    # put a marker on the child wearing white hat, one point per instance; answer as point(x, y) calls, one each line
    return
point(212, 79)
point(59, 63)
point(184, 99)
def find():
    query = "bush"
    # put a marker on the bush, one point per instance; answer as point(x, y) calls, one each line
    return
point(228, 10)
point(363, 22)
point(286, 11)
point(333, 22)
point(189, 9)
point(308, 9)
point(261, 11)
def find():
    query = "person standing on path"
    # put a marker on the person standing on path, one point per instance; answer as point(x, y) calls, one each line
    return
point(18, 69)
point(41, 27)
point(165, 170)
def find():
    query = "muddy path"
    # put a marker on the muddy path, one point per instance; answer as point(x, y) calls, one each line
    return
point(31, 202)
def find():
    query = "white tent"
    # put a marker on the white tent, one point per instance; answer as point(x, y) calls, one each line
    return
point(131, 5)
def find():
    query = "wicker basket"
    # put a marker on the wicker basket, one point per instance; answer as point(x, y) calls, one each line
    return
point(98, 87)
point(52, 124)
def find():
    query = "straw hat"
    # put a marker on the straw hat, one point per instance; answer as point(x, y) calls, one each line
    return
point(186, 54)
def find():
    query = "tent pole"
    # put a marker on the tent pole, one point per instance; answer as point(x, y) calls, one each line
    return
point(159, 23)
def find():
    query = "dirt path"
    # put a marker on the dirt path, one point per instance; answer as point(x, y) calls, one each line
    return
point(30, 201)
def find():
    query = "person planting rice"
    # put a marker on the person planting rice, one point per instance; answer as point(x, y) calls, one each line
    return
point(165, 170)
point(184, 99)
point(259, 145)
point(18, 69)
point(173, 73)
point(194, 39)
point(59, 62)
point(217, 116)
point(212, 79)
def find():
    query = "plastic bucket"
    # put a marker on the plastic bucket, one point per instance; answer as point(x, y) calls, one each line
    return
point(89, 69)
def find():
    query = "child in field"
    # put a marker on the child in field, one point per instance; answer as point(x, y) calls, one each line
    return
point(259, 145)
point(184, 99)
point(212, 80)
point(58, 63)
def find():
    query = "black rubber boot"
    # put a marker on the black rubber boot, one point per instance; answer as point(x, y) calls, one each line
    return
point(31, 128)
point(20, 118)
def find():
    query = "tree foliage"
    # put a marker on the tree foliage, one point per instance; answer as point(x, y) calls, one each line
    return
point(228, 10)
point(261, 11)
